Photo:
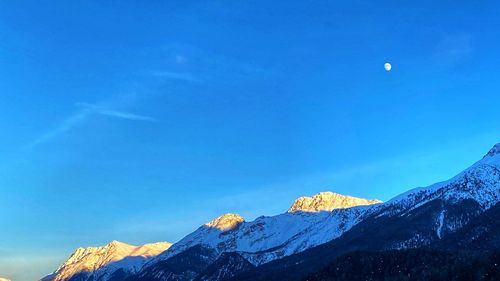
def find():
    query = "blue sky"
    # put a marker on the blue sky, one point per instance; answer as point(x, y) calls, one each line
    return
point(140, 121)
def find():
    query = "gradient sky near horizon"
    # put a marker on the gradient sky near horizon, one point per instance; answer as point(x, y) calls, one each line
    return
point(141, 120)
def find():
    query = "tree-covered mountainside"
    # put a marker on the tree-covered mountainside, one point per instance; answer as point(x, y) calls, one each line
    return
point(412, 264)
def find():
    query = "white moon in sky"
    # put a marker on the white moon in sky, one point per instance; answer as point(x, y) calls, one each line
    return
point(387, 66)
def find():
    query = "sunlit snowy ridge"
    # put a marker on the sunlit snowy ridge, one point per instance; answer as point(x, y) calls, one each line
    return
point(102, 262)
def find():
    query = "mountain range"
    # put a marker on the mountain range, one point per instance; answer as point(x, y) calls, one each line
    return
point(314, 236)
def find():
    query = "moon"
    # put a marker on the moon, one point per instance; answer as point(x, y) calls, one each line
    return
point(387, 66)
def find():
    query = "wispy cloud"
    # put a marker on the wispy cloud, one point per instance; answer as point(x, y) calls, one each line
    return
point(95, 109)
point(64, 126)
point(85, 110)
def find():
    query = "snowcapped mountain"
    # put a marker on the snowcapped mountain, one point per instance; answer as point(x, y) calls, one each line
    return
point(460, 213)
point(102, 263)
point(327, 201)
point(308, 223)
point(474, 190)
point(314, 231)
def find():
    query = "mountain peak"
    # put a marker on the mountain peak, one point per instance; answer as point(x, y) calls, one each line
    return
point(328, 201)
point(226, 222)
point(493, 151)
point(96, 258)
point(117, 244)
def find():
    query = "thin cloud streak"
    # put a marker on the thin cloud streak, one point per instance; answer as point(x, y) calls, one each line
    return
point(95, 109)
point(86, 110)
point(64, 126)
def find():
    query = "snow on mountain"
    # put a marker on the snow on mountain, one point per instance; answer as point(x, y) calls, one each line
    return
point(99, 263)
point(448, 205)
point(480, 182)
point(493, 151)
point(327, 201)
point(269, 238)
point(413, 219)
point(225, 222)
point(460, 213)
